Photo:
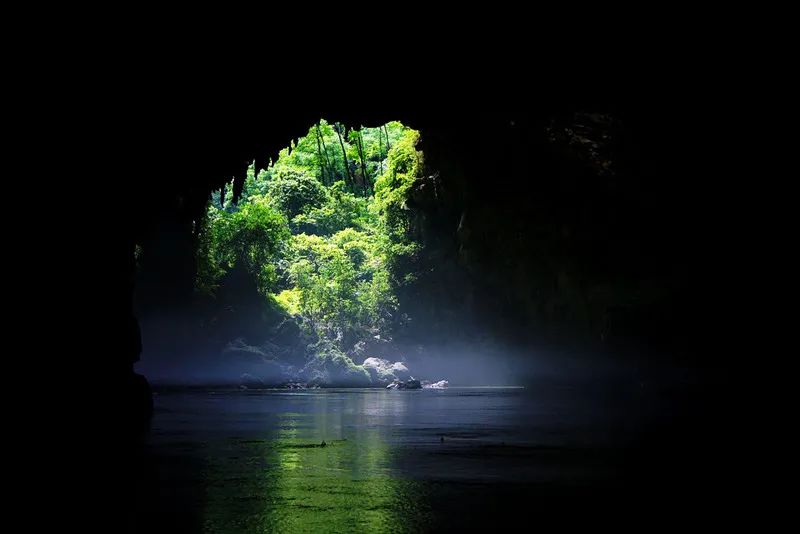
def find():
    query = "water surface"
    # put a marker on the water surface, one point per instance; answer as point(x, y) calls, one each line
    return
point(454, 459)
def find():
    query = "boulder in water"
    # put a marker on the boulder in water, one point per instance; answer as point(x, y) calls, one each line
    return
point(411, 383)
point(295, 385)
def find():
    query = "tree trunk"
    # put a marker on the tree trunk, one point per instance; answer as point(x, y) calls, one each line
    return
point(360, 146)
point(380, 149)
point(331, 169)
point(344, 156)
point(320, 158)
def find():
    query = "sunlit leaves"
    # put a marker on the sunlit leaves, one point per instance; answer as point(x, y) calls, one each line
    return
point(312, 235)
point(293, 192)
point(254, 235)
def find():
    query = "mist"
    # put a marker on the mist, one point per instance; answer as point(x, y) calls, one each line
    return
point(179, 350)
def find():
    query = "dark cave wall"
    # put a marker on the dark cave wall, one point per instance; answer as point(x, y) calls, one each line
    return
point(549, 228)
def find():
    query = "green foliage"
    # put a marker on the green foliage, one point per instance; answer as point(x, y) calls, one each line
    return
point(327, 279)
point(289, 300)
point(253, 235)
point(392, 189)
point(293, 192)
point(222, 199)
point(393, 186)
point(341, 210)
point(255, 183)
point(313, 236)
point(209, 264)
point(343, 281)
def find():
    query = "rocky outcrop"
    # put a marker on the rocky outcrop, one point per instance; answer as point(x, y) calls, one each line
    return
point(297, 385)
point(327, 366)
point(383, 371)
point(407, 384)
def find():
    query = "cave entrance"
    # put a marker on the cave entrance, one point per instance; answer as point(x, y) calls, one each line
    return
point(297, 271)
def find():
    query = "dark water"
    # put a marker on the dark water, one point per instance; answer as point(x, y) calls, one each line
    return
point(431, 460)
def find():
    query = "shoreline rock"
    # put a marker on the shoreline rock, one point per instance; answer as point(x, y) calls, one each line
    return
point(441, 384)
point(411, 383)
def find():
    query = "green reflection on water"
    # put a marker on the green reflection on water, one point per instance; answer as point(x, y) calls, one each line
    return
point(289, 483)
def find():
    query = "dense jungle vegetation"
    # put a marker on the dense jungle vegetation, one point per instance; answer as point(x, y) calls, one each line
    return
point(323, 231)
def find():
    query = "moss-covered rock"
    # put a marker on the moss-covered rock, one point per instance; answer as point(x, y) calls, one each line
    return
point(330, 367)
point(384, 371)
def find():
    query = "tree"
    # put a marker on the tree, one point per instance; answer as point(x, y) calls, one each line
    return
point(341, 210)
point(253, 236)
point(359, 142)
point(344, 157)
point(293, 191)
point(342, 283)
point(323, 160)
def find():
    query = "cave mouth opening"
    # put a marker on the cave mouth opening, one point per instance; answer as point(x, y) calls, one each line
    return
point(300, 267)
